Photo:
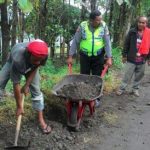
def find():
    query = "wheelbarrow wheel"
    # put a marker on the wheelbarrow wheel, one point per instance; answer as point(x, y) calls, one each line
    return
point(74, 114)
point(73, 119)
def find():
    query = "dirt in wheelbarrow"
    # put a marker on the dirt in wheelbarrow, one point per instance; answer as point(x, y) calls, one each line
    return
point(80, 90)
point(120, 123)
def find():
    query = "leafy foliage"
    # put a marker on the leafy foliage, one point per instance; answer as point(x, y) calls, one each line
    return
point(117, 57)
point(25, 5)
point(2, 1)
point(61, 19)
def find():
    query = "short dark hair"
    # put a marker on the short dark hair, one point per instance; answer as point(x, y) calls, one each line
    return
point(94, 14)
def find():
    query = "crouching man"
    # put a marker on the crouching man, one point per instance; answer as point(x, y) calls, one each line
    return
point(25, 59)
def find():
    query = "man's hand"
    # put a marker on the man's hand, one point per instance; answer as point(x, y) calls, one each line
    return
point(109, 62)
point(70, 60)
point(25, 89)
point(124, 60)
point(19, 111)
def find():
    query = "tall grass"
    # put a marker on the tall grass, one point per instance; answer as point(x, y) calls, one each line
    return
point(117, 59)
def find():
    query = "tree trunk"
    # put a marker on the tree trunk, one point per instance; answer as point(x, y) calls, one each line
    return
point(83, 11)
point(123, 22)
point(52, 50)
point(120, 25)
point(93, 4)
point(21, 26)
point(62, 48)
point(14, 24)
point(42, 20)
point(5, 27)
point(111, 13)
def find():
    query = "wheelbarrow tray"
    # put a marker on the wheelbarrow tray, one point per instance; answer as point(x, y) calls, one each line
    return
point(79, 87)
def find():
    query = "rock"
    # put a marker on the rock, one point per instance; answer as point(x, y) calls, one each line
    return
point(66, 147)
point(134, 106)
point(141, 122)
point(48, 148)
point(57, 137)
point(69, 138)
point(60, 146)
point(148, 104)
point(119, 108)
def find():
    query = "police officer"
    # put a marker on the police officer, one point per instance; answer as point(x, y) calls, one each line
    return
point(92, 38)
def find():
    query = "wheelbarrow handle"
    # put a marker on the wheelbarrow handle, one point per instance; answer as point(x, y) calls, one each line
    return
point(69, 68)
point(18, 124)
point(104, 71)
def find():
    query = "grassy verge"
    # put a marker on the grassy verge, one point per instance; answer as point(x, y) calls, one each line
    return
point(111, 79)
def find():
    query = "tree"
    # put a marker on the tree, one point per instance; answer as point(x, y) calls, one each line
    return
point(124, 16)
point(5, 28)
point(83, 10)
point(59, 20)
point(14, 23)
point(93, 4)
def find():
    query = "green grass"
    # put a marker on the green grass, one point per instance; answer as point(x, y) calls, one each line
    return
point(111, 80)
point(117, 59)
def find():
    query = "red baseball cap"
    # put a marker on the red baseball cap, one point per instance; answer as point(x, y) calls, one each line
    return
point(38, 48)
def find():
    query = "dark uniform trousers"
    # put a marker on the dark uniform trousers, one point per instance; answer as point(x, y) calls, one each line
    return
point(91, 64)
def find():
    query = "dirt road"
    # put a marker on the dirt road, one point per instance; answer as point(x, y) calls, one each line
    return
point(121, 123)
point(130, 129)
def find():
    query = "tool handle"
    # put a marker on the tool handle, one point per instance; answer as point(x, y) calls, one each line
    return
point(104, 71)
point(69, 68)
point(18, 124)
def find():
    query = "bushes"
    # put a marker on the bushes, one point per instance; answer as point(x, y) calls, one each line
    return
point(117, 60)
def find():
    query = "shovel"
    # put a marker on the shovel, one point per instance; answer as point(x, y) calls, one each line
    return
point(16, 147)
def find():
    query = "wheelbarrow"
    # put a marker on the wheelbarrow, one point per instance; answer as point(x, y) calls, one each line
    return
point(79, 91)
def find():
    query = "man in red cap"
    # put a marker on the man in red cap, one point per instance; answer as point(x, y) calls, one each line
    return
point(25, 59)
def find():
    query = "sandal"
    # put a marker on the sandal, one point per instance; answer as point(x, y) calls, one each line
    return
point(46, 130)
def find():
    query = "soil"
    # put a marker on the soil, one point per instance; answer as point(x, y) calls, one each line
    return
point(79, 87)
point(79, 91)
point(120, 123)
